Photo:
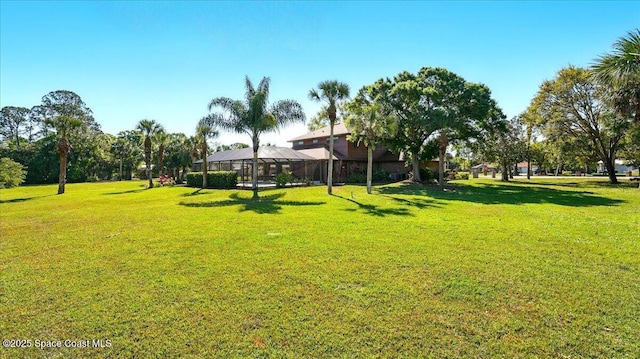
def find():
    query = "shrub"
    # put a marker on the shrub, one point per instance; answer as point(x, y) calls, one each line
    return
point(462, 175)
point(380, 174)
point(357, 178)
point(283, 178)
point(12, 173)
point(166, 180)
point(427, 175)
point(219, 179)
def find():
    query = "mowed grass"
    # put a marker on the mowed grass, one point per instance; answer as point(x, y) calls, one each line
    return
point(549, 268)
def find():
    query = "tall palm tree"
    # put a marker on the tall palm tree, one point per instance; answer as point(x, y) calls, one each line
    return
point(148, 128)
point(161, 138)
point(65, 111)
point(204, 131)
point(619, 71)
point(369, 125)
point(254, 116)
point(332, 92)
point(63, 126)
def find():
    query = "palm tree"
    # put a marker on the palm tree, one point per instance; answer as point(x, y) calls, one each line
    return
point(63, 126)
point(148, 128)
point(205, 131)
point(619, 71)
point(369, 125)
point(332, 93)
point(65, 112)
point(161, 138)
point(254, 116)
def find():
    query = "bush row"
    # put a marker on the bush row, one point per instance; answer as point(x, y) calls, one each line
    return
point(219, 179)
point(378, 175)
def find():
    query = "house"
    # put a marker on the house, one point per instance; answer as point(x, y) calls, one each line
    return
point(484, 168)
point(348, 157)
point(522, 168)
point(620, 165)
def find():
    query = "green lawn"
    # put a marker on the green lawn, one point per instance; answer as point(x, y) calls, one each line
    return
point(546, 269)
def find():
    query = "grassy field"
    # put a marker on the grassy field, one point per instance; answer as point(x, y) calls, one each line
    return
point(544, 269)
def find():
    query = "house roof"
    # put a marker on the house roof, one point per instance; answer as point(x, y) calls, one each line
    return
point(338, 129)
point(320, 153)
point(268, 154)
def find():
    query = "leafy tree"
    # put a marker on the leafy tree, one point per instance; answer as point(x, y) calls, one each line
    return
point(506, 146)
point(36, 127)
point(435, 105)
point(148, 128)
point(66, 112)
point(204, 131)
point(571, 107)
point(179, 155)
point(127, 152)
point(319, 121)
point(369, 125)
point(233, 146)
point(254, 116)
point(12, 123)
point(12, 173)
point(403, 98)
point(332, 93)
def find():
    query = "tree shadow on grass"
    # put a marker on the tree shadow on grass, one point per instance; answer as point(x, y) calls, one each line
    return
point(23, 199)
point(376, 210)
point(142, 189)
point(270, 204)
point(511, 193)
point(586, 184)
point(194, 193)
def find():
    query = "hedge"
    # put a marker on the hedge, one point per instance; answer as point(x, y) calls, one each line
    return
point(219, 179)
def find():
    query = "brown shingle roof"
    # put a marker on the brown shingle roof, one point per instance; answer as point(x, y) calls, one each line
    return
point(338, 129)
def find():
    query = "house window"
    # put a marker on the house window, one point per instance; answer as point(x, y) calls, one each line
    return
point(315, 140)
point(301, 142)
point(335, 139)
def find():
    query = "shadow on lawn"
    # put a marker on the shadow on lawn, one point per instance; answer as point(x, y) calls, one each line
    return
point(270, 204)
point(23, 199)
point(127, 191)
point(375, 210)
point(512, 193)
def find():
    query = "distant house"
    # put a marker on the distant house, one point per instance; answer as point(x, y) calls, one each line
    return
point(484, 168)
point(522, 168)
point(620, 165)
point(348, 157)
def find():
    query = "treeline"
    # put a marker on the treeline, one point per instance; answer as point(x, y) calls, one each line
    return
point(580, 117)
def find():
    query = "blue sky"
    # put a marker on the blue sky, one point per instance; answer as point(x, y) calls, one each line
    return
point(166, 60)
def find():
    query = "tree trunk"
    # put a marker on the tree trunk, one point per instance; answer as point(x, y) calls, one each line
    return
point(160, 160)
point(330, 167)
point(147, 160)
point(369, 168)
point(529, 155)
point(63, 149)
point(611, 169)
point(204, 165)
point(62, 179)
point(505, 172)
point(415, 163)
point(254, 181)
point(442, 151)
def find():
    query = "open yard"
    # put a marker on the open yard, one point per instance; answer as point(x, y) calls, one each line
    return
point(549, 268)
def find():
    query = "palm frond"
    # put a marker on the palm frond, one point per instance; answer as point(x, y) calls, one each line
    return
point(287, 112)
point(264, 86)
